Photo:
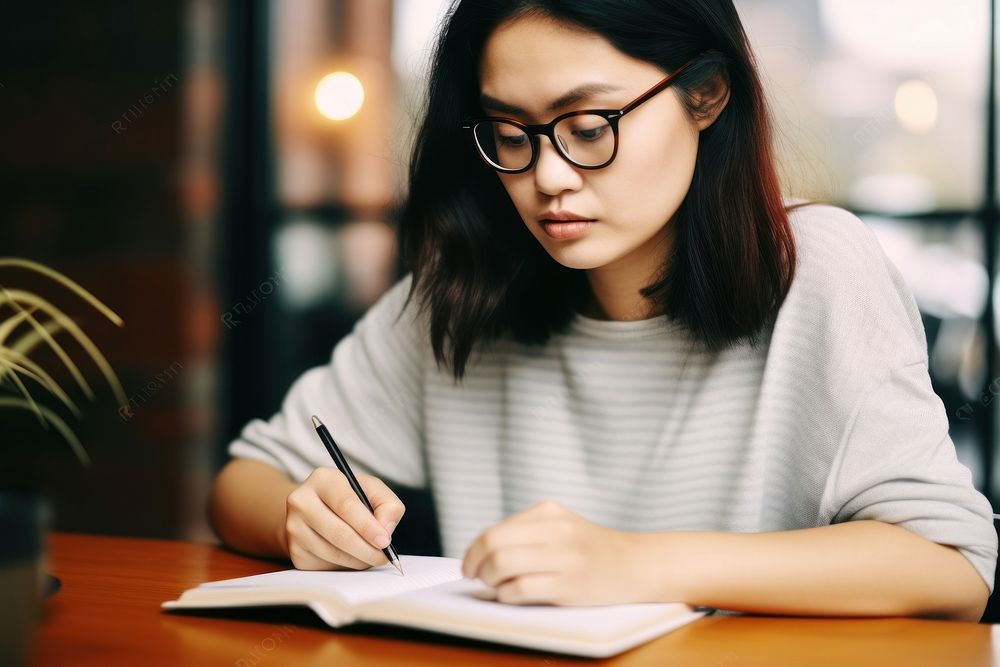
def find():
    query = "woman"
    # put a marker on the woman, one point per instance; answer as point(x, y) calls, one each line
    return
point(624, 369)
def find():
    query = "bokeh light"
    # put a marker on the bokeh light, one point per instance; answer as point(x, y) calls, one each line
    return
point(916, 106)
point(339, 95)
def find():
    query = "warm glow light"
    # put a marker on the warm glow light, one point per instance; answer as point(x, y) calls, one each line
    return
point(339, 95)
point(916, 106)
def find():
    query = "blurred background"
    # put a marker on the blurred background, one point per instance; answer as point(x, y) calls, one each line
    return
point(226, 175)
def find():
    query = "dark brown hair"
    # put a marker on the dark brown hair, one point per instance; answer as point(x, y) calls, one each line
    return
point(481, 274)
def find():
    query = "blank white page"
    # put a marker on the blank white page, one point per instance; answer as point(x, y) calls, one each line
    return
point(357, 586)
point(469, 601)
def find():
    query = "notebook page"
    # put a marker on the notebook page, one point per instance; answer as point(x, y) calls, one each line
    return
point(356, 587)
point(470, 602)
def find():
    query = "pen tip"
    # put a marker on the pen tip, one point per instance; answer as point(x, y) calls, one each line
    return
point(399, 566)
point(316, 422)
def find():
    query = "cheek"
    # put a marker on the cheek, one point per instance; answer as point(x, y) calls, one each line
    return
point(654, 172)
point(650, 156)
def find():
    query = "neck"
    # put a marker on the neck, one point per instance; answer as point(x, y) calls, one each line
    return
point(610, 300)
point(614, 288)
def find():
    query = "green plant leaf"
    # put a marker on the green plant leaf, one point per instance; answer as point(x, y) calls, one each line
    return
point(16, 362)
point(45, 332)
point(30, 339)
point(28, 400)
point(57, 421)
point(23, 297)
point(7, 326)
point(67, 282)
point(13, 360)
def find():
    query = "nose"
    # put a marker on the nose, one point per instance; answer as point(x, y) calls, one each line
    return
point(553, 174)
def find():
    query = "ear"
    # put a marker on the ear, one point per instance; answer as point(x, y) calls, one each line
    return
point(710, 101)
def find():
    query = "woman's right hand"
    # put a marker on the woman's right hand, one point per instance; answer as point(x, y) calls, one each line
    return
point(327, 527)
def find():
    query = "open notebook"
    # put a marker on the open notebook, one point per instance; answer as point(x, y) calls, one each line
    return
point(434, 596)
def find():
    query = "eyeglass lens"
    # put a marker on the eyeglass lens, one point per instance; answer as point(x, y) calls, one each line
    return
point(586, 139)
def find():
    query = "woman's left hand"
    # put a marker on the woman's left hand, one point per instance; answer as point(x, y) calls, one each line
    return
point(548, 554)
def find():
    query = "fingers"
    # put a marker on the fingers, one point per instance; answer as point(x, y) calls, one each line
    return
point(307, 511)
point(326, 522)
point(338, 531)
point(389, 509)
point(353, 512)
point(504, 564)
point(336, 493)
point(529, 589)
point(310, 551)
point(304, 560)
point(503, 537)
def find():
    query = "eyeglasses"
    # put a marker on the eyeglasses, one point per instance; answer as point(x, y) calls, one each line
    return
point(587, 139)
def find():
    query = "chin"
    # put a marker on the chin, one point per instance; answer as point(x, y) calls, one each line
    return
point(580, 258)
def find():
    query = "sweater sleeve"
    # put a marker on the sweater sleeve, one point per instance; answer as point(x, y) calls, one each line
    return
point(897, 464)
point(369, 396)
point(872, 437)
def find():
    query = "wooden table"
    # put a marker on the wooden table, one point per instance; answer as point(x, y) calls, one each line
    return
point(108, 613)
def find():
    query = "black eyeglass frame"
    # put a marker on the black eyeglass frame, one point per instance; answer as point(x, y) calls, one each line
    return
point(612, 116)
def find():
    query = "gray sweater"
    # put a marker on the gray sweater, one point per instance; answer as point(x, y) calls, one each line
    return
point(831, 419)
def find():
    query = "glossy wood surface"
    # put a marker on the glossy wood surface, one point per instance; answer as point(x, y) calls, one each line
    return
point(107, 613)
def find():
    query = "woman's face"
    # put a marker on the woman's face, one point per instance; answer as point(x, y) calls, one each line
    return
point(530, 62)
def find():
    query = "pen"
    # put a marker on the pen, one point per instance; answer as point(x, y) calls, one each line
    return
point(341, 462)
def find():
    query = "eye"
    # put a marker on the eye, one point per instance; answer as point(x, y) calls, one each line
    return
point(592, 134)
point(515, 140)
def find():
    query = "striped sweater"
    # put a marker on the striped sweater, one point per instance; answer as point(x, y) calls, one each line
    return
point(831, 418)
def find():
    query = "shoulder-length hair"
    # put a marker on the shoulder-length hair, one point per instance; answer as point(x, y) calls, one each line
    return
point(481, 273)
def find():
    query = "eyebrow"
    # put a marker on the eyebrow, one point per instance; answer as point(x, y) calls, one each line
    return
point(579, 93)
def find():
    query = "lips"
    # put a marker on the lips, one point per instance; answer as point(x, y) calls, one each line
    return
point(563, 216)
point(566, 229)
point(563, 224)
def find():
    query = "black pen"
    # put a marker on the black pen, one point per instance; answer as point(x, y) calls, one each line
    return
point(341, 462)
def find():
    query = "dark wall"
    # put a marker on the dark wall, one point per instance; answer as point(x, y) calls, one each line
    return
point(92, 97)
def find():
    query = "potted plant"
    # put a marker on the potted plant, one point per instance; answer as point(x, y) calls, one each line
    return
point(29, 324)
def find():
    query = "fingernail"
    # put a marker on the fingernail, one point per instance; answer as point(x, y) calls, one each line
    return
point(382, 541)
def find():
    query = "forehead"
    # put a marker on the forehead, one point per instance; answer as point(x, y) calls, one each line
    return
point(530, 61)
point(526, 40)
